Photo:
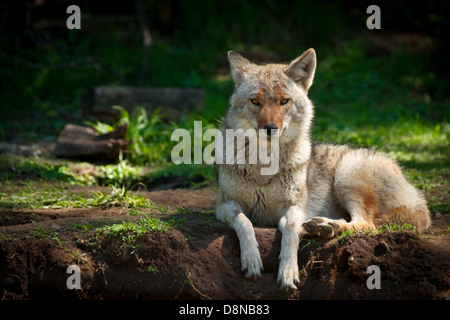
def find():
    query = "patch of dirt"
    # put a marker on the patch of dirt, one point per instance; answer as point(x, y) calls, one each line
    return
point(411, 267)
point(200, 258)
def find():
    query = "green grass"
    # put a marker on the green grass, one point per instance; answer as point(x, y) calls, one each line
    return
point(78, 257)
point(129, 230)
point(120, 197)
point(13, 166)
point(42, 233)
point(384, 228)
point(394, 102)
point(35, 195)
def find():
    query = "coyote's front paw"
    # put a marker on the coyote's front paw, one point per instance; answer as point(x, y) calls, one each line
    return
point(288, 275)
point(251, 262)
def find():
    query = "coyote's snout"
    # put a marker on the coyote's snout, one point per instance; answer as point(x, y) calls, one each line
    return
point(318, 189)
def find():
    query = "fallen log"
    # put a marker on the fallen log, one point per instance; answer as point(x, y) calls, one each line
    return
point(85, 143)
point(97, 102)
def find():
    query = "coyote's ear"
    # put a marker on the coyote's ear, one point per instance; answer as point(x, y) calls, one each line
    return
point(302, 69)
point(237, 64)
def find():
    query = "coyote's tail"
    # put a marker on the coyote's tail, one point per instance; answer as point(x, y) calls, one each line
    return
point(418, 216)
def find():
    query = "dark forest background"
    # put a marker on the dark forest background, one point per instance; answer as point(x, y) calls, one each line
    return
point(386, 88)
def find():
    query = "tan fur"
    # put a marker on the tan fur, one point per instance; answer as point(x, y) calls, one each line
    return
point(270, 111)
point(319, 189)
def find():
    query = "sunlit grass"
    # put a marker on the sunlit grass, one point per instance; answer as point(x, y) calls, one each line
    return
point(40, 195)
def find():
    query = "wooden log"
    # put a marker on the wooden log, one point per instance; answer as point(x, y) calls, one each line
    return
point(84, 143)
point(97, 102)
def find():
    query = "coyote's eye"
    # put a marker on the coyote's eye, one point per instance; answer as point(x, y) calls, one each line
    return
point(284, 101)
point(255, 102)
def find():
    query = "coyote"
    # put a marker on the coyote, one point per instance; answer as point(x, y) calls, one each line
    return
point(319, 189)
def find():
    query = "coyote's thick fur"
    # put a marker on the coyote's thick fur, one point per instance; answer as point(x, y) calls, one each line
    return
point(319, 189)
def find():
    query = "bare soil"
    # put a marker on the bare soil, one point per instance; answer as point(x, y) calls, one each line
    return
point(199, 259)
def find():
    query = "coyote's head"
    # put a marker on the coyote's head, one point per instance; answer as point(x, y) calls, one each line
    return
point(272, 97)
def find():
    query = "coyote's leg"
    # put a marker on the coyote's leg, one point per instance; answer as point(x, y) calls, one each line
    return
point(289, 226)
point(230, 212)
point(360, 203)
point(328, 228)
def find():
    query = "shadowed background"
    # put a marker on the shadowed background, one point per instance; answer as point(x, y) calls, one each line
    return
point(382, 88)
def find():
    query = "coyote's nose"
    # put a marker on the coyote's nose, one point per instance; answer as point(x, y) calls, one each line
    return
point(270, 127)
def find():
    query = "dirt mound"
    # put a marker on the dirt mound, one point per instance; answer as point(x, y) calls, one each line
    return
point(410, 267)
point(199, 259)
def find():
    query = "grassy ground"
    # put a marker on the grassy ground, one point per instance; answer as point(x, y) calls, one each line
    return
point(393, 101)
